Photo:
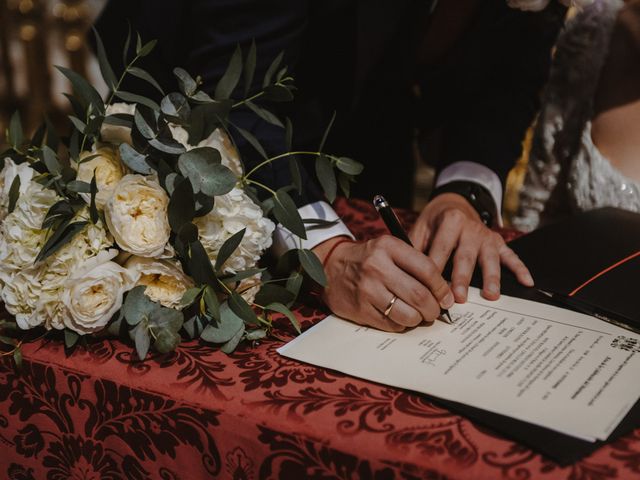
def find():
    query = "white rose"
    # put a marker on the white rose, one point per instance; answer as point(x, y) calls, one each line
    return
point(114, 133)
point(136, 215)
point(164, 279)
point(233, 212)
point(108, 169)
point(20, 297)
point(21, 233)
point(9, 172)
point(218, 140)
point(93, 293)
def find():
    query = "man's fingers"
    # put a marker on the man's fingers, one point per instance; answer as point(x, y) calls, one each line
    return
point(373, 317)
point(464, 262)
point(419, 235)
point(415, 295)
point(446, 238)
point(489, 261)
point(512, 262)
point(400, 311)
point(421, 268)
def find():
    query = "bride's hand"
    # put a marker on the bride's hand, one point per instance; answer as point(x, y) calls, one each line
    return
point(449, 223)
point(364, 277)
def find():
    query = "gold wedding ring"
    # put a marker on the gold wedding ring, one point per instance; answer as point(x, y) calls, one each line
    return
point(390, 306)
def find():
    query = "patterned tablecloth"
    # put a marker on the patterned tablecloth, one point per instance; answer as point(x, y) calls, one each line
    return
point(198, 413)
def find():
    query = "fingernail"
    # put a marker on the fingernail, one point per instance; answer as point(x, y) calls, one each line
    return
point(461, 292)
point(447, 301)
point(493, 288)
point(528, 280)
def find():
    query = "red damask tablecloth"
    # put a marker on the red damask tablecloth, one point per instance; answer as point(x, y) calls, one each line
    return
point(198, 413)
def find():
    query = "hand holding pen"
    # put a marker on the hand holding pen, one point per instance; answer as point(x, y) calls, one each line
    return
point(395, 228)
point(364, 277)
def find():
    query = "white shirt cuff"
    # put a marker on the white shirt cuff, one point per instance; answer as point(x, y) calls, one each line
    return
point(284, 240)
point(477, 173)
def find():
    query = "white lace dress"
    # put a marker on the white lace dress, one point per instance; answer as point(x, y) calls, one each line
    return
point(566, 171)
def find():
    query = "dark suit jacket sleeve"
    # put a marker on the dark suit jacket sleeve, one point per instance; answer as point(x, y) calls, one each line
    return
point(200, 36)
point(486, 94)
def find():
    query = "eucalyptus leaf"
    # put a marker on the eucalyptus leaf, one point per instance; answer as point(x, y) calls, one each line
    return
point(204, 204)
point(228, 247)
point(182, 205)
point(74, 145)
point(105, 68)
point(240, 307)
point(187, 84)
point(8, 341)
point(287, 214)
point(227, 84)
point(229, 325)
point(170, 182)
point(79, 124)
point(190, 296)
point(52, 136)
point(142, 340)
point(294, 283)
point(70, 338)
point(15, 134)
point(344, 181)
point(211, 301)
point(147, 48)
point(270, 293)
point(272, 69)
point(50, 160)
point(280, 308)
point(166, 341)
point(349, 166)
point(232, 344)
point(84, 91)
point(199, 264)
point(93, 209)
point(144, 75)
point(327, 177)
point(326, 132)
point(194, 327)
point(207, 175)
point(143, 125)
point(127, 43)
point(188, 233)
point(61, 210)
point(119, 120)
point(264, 114)
point(14, 193)
point(167, 318)
point(134, 98)
point(288, 134)
point(134, 160)
point(137, 306)
point(175, 105)
point(201, 97)
point(278, 93)
point(59, 239)
point(17, 358)
point(78, 186)
point(239, 276)
point(312, 266)
point(169, 146)
point(253, 141)
point(249, 67)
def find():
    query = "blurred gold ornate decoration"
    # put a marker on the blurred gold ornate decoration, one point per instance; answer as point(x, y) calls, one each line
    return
point(34, 35)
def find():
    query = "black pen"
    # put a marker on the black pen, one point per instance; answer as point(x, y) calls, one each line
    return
point(585, 307)
point(395, 228)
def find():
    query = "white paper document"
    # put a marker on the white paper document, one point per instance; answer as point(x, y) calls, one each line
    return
point(545, 365)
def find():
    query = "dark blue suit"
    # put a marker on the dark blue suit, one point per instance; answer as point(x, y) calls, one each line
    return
point(357, 57)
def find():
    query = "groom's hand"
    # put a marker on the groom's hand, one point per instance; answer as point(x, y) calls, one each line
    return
point(450, 224)
point(363, 278)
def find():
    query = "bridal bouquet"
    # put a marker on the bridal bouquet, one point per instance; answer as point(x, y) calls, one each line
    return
point(144, 222)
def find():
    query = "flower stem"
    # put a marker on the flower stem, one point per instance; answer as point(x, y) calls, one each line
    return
point(284, 155)
point(261, 185)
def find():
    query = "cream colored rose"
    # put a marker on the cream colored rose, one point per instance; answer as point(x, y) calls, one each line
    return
point(164, 279)
point(114, 133)
point(20, 297)
point(233, 212)
point(218, 140)
point(108, 169)
point(136, 215)
point(21, 233)
point(9, 172)
point(94, 292)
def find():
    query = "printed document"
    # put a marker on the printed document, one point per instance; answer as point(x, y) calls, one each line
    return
point(545, 365)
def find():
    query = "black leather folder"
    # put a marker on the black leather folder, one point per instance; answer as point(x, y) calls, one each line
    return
point(563, 257)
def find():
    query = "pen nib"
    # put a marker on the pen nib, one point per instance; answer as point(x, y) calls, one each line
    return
point(444, 314)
